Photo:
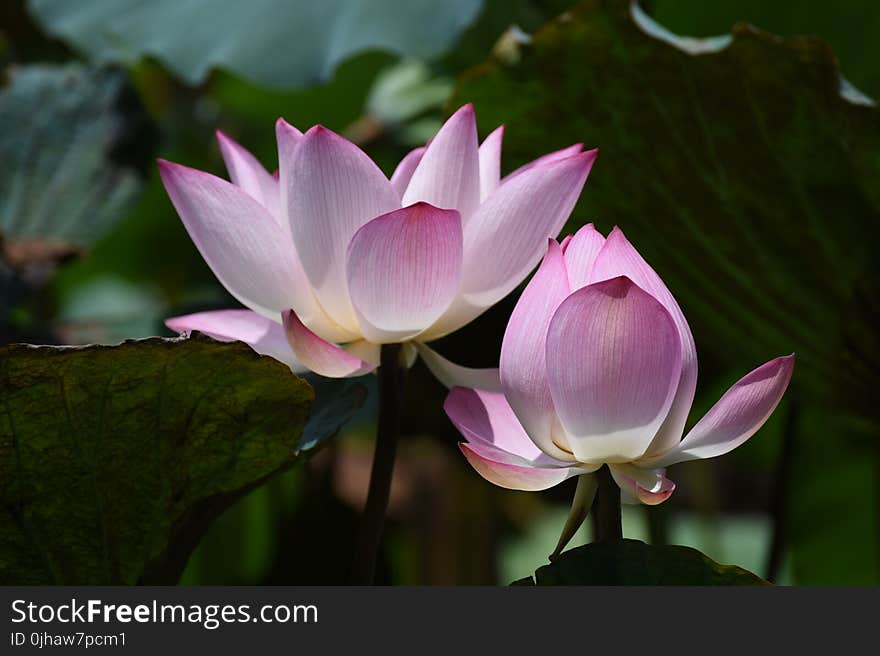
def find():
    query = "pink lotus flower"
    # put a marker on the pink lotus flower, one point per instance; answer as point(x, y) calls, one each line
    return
point(598, 366)
point(331, 252)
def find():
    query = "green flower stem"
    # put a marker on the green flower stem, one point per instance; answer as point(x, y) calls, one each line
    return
point(392, 376)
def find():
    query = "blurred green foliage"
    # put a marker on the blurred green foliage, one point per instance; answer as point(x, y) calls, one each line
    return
point(741, 175)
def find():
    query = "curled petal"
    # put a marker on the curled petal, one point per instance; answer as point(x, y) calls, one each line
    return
point(486, 417)
point(613, 364)
point(508, 235)
point(448, 174)
point(331, 189)
point(403, 270)
point(452, 375)
point(523, 365)
point(246, 172)
point(263, 335)
point(736, 416)
point(496, 469)
point(242, 243)
point(498, 447)
point(619, 258)
point(403, 173)
point(580, 254)
point(321, 356)
point(647, 486)
point(490, 162)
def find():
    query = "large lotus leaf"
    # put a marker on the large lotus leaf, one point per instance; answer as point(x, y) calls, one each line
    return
point(742, 167)
point(854, 41)
point(272, 42)
point(67, 169)
point(632, 562)
point(114, 460)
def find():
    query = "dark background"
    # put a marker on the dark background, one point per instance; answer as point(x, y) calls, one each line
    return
point(789, 259)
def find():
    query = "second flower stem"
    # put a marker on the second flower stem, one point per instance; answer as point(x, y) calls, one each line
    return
point(391, 380)
point(609, 525)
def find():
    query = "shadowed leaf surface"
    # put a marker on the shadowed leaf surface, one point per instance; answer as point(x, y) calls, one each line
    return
point(632, 562)
point(114, 460)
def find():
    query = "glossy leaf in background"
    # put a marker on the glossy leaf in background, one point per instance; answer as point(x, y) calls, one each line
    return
point(746, 177)
point(632, 562)
point(271, 42)
point(67, 172)
point(114, 460)
point(70, 172)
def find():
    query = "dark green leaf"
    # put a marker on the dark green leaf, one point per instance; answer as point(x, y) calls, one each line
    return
point(632, 562)
point(271, 42)
point(114, 460)
point(854, 41)
point(337, 400)
point(741, 173)
point(526, 581)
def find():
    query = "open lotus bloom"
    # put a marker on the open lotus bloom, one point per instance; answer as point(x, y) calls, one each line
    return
point(333, 258)
point(598, 366)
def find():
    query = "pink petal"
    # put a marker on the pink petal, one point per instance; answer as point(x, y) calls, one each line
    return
point(613, 364)
point(448, 175)
point(563, 153)
point(321, 356)
point(403, 173)
point(498, 447)
point(647, 486)
point(261, 334)
point(459, 313)
point(288, 138)
point(486, 417)
point(508, 234)
point(452, 375)
point(331, 189)
point(580, 254)
point(247, 172)
point(736, 416)
point(244, 246)
point(490, 162)
point(513, 476)
point(288, 135)
point(403, 271)
point(523, 366)
point(619, 258)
